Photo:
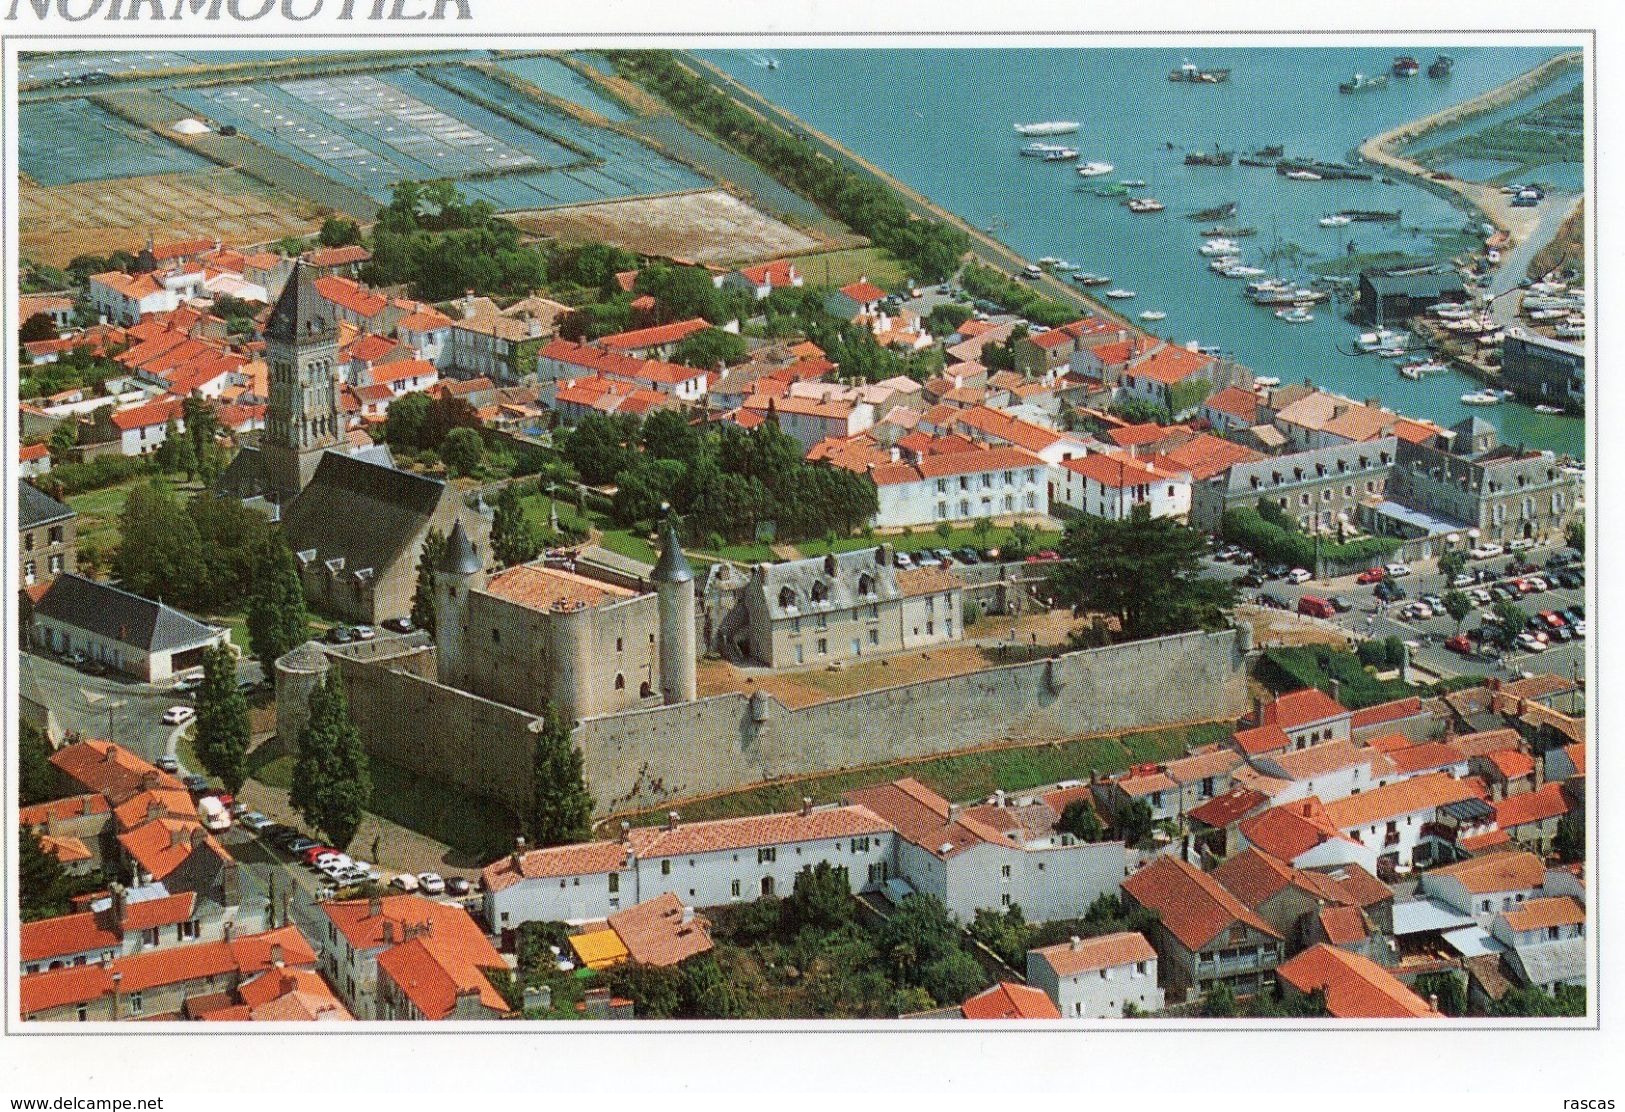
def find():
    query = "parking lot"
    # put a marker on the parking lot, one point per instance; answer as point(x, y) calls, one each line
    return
point(1367, 616)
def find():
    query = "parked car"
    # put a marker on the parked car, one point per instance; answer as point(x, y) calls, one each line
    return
point(1251, 579)
point(1396, 570)
point(398, 625)
point(1539, 583)
point(74, 659)
point(1298, 575)
point(167, 763)
point(216, 818)
point(256, 822)
point(179, 716)
point(431, 883)
point(1340, 604)
point(1433, 600)
point(189, 686)
point(967, 556)
point(1479, 596)
point(1485, 551)
point(1528, 643)
point(406, 882)
point(1371, 575)
point(1463, 580)
point(1315, 607)
point(197, 785)
point(1276, 571)
point(1552, 618)
point(903, 560)
point(1274, 602)
point(1516, 566)
point(315, 853)
point(340, 635)
point(1580, 628)
point(1459, 644)
point(364, 632)
point(457, 886)
point(1563, 633)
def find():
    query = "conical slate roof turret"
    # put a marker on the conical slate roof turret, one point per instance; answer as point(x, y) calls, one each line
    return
point(673, 567)
point(460, 557)
point(301, 315)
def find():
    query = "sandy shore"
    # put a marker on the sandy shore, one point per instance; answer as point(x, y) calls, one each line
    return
point(1487, 200)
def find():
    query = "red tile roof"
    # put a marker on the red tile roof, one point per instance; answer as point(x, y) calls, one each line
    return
point(72, 807)
point(1108, 469)
point(1261, 739)
point(863, 292)
point(1010, 1001)
point(1386, 712)
point(66, 934)
point(1497, 872)
point(1132, 436)
point(1356, 987)
point(1548, 911)
point(159, 412)
point(1429, 755)
point(1416, 795)
point(1234, 805)
point(661, 931)
point(1547, 802)
point(1512, 763)
point(584, 859)
point(30, 452)
point(778, 273)
point(1289, 831)
point(1171, 364)
point(756, 830)
point(656, 336)
point(351, 295)
point(1343, 926)
point(433, 969)
point(1236, 402)
point(1195, 908)
point(1205, 456)
point(1085, 955)
point(339, 256)
point(1302, 708)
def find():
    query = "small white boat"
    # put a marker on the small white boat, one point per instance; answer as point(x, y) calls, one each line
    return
point(1224, 263)
point(1120, 294)
point(1062, 264)
point(1153, 314)
point(1048, 127)
point(1267, 285)
point(1548, 409)
point(1132, 183)
point(1061, 154)
point(1427, 367)
point(1337, 221)
point(1219, 247)
point(1411, 372)
point(1298, 314)
point(1095, 169)
point(1145, 204)
point(1303, 175)
point(1481, 397)
point(1244, 272)
point(1378, 340)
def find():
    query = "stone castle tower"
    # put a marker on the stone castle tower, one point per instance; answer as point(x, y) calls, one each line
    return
point(303, 418)
point(674, 584)
point(460, 571)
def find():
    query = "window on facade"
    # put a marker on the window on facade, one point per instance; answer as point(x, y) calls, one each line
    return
point(766, 854)
point(55, 534)
point(874, 637)
point(823, 646)
point(1004, 871)
point(733, 889)
point(1004, 900)
point(620, 682)
point(665, 867)
point(81, 1013)
point(496, 636)
point(135, 1003)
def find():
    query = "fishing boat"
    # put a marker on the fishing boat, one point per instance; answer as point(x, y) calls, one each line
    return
point(1216, 158)
point(1145, 204)
point(1094, 280)
point(1229, 233)
point(1217, 212)
point(1132, 183)
point(1410, 372)
point(1111, 189)
point(1481, 397)
point(1298, 314)
point(1303, 175)
point(1548, 409)
point(1406, 66)
point(1048, 127)
point(1192, 74)
point(1153, 314)
point(1062, 154)
point(1223, 263)
point(1440, 67)
point(1360, 82)
point(1267, 285)
point(1120, 294)
point(1095, 169)
point(1219, 247)
point(1337, 221)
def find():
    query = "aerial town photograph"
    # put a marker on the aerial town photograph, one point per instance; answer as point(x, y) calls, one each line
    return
point(705, 533)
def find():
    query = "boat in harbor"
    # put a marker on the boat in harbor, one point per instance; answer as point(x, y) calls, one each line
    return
point(1216, 158)
point(1298, 314)
point(1359, 83)
point(1224, 263)
point(1229, 233)
point(1218, 247)
point(1120, 294)
point(1241, 271)
point(1406, 66)
point(1132, 183)
point(1092, 279)
point(1481, 397)
point(1376, 341)
point(1370, 216)
point(1039, 150)
point(1095, 169)
point(1061, 154)
point(1145, 204)
point(1303, 175)
point(1110, 189)
point(1153, 314)
point(1048, 127)
point(1337, 221)
point(1217, 212)
point(1409, 371)
point(1440, 67)
point(1548, 409)
point(1192, 74)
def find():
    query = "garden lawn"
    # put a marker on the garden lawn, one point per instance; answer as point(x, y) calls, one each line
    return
point(965, 776)
point(841, 268)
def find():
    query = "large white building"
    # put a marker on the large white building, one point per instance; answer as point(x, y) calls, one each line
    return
point(125, 298)
point(960, 486)
point(1112, 484)
point(1097, 978)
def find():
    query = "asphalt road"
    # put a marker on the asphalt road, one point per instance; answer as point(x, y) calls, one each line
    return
point(1370, 618)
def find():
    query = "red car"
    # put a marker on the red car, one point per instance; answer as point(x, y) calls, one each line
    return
point(1371, 575)
point(1459, 644)
point(1043, 557)
point(1552, 618)
point(310, 855)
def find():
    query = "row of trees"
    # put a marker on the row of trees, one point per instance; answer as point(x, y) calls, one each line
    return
point(727, 484)
point(929, 248)
point(431, 239)
point(1274, 537)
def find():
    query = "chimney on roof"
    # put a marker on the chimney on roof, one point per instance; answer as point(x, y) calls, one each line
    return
point(375, 907)
point(1258, 710)
point(1077, 943)
point(626, 831)
point(895, 454)
point(154, 809)
point(688, 914)
point(806, 806)
point(998, 798)
point(116, 896)
point(276, 954)
point(177, 836)
point(671, 820)
point(1339, 410)
point(149, 779)
point(1433, 1001)
point(519, 852)
point(953, 812)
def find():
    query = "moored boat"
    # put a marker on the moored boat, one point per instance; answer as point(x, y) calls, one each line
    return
point(1216, 158)
point(1360, 82)
point(1406, 66)
point(1228, 232)
point(1337, 221)
point(1145, 204)
point(1192, 74)
point(1548, 409)
point(1153, 314)
point(1440, 67)
point(1120, 294)
point(1303, 175)
point(1298, 314)
point(1095, 169)
point(1048, 127)
point(1481, 397)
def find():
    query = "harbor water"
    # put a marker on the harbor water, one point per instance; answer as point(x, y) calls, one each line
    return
point(941, 121)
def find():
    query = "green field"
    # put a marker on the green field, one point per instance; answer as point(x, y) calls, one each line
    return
point(929, 538)
point(841, 268)
point(99, 511)
point(964, 777)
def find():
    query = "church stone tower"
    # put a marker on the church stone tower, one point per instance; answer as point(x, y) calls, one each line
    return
point(303, 418)
point(674, 584)
point(459, 572)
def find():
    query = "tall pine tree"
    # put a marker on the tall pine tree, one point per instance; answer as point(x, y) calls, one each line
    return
point(560, 805)
point(277, 618)
point(222, 720)
point(434, 547)
point(514, 537)
point(332, 782)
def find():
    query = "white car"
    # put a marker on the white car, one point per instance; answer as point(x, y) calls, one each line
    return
point(1298, 575)
point(1486, 551)
point(406, 882)
point(179, 716)
point(431, 883)
point(1529, 643)
point(1397, 571)
point(1579, 628)
point(1463, 580)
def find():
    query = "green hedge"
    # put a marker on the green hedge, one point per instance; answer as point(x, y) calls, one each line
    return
point(1292, 669)
point(992, 285)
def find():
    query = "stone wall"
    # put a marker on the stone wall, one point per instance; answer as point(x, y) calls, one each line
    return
point(641, 758)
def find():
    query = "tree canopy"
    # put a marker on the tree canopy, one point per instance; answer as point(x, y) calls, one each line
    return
point(332, 780)
point(222, 732)
point(277, 618)
point(561, 806)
